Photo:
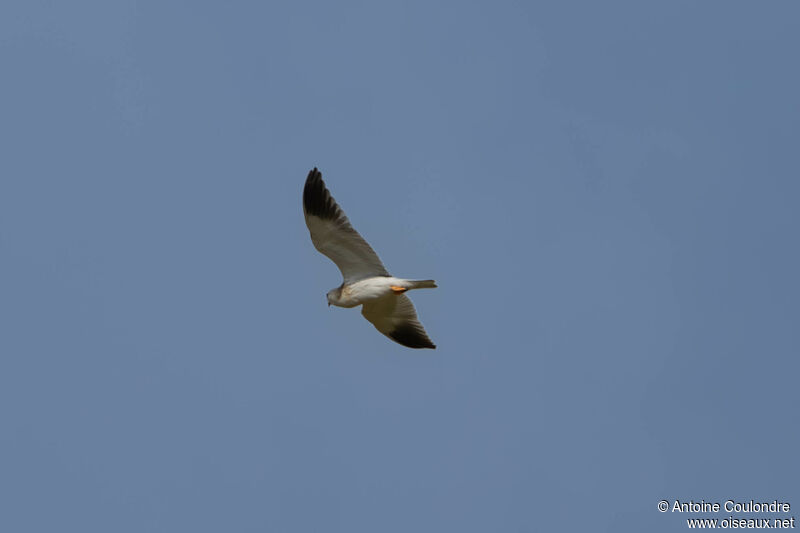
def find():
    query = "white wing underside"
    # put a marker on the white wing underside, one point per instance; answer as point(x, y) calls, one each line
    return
point(395, 317)
point(333, 235)
point(342, 244)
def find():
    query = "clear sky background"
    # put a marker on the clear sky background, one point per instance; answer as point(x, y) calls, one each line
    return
point(606, 192)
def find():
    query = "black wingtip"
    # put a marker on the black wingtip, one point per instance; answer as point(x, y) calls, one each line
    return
point(412, 337)
point(317, 200)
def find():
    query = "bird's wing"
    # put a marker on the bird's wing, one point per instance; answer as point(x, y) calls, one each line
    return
point(395, 317)
point(333, 235)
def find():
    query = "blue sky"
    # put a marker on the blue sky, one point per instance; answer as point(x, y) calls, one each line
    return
point(606, 194)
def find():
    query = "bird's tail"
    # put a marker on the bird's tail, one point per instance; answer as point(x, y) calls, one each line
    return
point(422, 284)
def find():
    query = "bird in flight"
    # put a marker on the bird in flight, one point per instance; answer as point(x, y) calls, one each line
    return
point(366, 280)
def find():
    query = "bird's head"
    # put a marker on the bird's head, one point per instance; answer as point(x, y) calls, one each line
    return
point(335, 295)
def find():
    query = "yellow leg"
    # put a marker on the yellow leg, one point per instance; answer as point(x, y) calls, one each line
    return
point(397, 290)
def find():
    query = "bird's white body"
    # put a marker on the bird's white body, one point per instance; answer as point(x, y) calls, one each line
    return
point(369, 289)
